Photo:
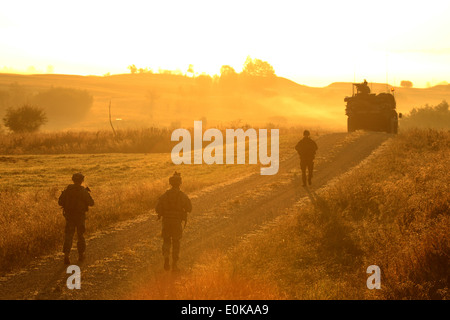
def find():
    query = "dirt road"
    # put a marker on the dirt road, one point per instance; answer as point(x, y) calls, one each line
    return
point(128, 254)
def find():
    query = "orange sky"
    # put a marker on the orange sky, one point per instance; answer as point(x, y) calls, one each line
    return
point(311, 42)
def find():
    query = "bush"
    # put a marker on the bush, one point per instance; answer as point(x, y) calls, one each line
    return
point(406, 84)
point(24, 119)
point(126, 141)
point(437, 117)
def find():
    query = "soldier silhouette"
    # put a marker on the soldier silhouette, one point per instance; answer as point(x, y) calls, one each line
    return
point(306, 149)
point(362, 88)
point(173, 206)
point(75, 200)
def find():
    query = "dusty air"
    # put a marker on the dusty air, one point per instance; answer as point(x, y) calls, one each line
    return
point(213, 153)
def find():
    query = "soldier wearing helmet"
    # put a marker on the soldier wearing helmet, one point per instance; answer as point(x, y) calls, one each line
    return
point(75, 200)
point(173, 206)
point(362, 88)
point(306, 149)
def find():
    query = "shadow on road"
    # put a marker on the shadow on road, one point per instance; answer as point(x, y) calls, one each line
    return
point(54, 285)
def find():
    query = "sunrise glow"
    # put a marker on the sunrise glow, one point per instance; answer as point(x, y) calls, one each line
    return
point(311, 42)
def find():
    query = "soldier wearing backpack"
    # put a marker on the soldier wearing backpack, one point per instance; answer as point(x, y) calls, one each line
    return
point(306, 149)
point(173, 206)
point(75, 200)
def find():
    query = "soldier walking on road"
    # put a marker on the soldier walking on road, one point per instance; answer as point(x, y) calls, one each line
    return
point(306, 149)
point(173, 206)
point(75, 200)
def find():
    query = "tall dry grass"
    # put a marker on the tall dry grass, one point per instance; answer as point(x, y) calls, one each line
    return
point(213, 278)
point(31, 222)
point(391, 211)
point(437, 117)
point(123, 187)
point(147, 140)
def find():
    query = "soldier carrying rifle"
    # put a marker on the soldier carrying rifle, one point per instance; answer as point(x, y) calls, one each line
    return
point(173, 206)
point(75, 200)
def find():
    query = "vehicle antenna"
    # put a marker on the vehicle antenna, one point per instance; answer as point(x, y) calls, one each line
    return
point(387, 85)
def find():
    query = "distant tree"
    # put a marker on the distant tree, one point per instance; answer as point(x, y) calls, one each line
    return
point(133, 69)
point(406, 84)
point(145, 70)
point(437, 117)
point(258, 68)
point(64, 106)
point(164, 71)
point(226, 71)
point(215, 79)
point(24, 119)
point(190, 70)
point(50, 69)
point(228, 77)
point(32, 70)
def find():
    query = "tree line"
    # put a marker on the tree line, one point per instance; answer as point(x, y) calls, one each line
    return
point(252, 67)
point(27, 112)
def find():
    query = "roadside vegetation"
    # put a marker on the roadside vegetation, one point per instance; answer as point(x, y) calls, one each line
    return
point(148, 140)
point(391, 211)
point(24, 119)
point(145, 140)
point(437, 117)
point(124, 185)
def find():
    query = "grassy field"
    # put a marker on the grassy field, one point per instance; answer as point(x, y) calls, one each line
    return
point(391, 211)
point(147, 140)
point(123, 186)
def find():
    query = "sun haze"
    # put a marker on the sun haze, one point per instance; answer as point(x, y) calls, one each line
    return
point(313, 43)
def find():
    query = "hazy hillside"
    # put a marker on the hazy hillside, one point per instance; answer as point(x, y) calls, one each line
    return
point(142, 100)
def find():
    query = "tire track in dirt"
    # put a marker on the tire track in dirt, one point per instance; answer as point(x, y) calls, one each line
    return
point(123, 257)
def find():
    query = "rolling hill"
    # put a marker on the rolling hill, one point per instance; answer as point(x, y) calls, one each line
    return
point(143, 100)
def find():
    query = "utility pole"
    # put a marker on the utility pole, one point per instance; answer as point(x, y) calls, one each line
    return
point(110, 121)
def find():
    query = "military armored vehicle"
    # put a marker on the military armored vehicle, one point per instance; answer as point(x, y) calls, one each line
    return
point(370, 111)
